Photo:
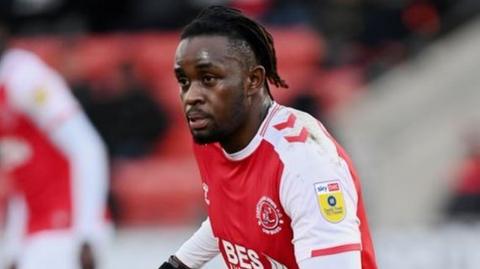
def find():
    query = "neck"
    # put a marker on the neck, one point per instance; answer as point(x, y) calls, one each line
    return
point(253, 122)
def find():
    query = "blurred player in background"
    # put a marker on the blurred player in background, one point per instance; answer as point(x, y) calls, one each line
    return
point(57, 167)
point(280, 192)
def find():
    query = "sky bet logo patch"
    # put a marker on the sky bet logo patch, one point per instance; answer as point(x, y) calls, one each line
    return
point(330, 200)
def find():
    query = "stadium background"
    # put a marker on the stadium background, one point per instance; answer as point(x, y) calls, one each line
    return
point(395, 81)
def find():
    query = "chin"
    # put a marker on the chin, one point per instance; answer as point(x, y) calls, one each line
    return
point(203, 140)
point(199, 138)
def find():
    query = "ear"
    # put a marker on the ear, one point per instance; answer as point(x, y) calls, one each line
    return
point(256, 79)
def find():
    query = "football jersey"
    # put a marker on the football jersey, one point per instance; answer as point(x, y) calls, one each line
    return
point(33, 101)
point(289, 195)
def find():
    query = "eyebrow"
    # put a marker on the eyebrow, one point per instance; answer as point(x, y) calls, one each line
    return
point(204, 65)
point(178, 70)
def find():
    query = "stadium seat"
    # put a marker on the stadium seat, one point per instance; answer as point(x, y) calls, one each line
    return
point(158, 191)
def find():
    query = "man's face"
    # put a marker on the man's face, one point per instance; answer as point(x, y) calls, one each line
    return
point(212, 82)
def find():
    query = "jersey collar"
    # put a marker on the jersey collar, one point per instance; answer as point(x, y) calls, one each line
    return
point(255, 142)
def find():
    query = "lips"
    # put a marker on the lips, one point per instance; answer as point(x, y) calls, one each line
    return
point(197, 120)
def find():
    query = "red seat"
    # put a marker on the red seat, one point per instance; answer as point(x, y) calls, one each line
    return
point(158, 191)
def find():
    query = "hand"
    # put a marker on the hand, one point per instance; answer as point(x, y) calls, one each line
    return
point(166, 265)
point(173, 263)
point(87, 259)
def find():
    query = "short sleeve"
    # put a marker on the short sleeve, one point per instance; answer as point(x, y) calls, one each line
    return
point(38, 91)
point(321, 200)
point(200, 248)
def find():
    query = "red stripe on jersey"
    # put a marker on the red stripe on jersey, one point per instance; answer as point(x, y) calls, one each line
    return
point(301, 137)
point(335, 250)
point(269, 118)
point(289, 123)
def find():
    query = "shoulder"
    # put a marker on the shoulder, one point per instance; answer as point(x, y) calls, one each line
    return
point(21, 61)
point(23, 71)
point(309, 154)
point(36, 89)
point(301, 141)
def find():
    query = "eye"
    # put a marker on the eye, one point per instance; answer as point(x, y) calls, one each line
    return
point(183, 82)
point(209, 80)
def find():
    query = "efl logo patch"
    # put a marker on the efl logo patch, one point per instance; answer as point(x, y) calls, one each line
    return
point(330, 199)
point(40, 96)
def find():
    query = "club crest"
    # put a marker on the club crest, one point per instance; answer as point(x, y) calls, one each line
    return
point(269, 216)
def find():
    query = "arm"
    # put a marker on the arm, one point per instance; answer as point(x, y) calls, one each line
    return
point(78, 140)
point(16, 216)
point(196, 251)
point(321, 200)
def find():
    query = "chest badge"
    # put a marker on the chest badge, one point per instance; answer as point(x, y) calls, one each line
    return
point(269, 217)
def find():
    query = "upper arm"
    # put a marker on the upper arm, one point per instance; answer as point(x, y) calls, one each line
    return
point(320, 198)
point(39, 92)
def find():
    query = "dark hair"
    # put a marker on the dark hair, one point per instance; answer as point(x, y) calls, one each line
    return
point(229, 22)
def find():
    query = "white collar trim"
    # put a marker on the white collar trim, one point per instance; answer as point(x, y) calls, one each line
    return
point(255, 142)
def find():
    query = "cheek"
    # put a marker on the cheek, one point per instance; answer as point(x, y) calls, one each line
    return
point(181, 95)
point(233, 107)
point(228, 101)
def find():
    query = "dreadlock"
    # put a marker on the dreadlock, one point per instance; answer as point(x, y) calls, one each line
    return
point(229, 22)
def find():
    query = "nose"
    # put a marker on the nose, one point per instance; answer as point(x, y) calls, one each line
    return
point(193, 95)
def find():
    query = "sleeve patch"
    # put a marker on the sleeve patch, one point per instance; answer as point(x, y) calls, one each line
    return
point(330, 199)
point(40, 96)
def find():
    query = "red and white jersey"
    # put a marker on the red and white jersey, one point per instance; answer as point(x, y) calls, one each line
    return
point(49, 149)
point(29, 107)
point(290, 195)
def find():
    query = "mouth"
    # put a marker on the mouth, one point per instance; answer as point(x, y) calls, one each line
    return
point(198, 124)
point(197, 120)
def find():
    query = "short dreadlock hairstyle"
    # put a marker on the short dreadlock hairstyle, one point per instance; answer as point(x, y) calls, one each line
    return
point(231, 23)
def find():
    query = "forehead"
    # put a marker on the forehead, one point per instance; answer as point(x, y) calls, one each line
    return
point(205, 49)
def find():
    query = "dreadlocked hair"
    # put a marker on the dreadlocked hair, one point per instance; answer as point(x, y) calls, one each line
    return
point(229, 22)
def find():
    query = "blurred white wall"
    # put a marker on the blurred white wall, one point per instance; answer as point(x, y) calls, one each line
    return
point(148, 249)
point(405, 134)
